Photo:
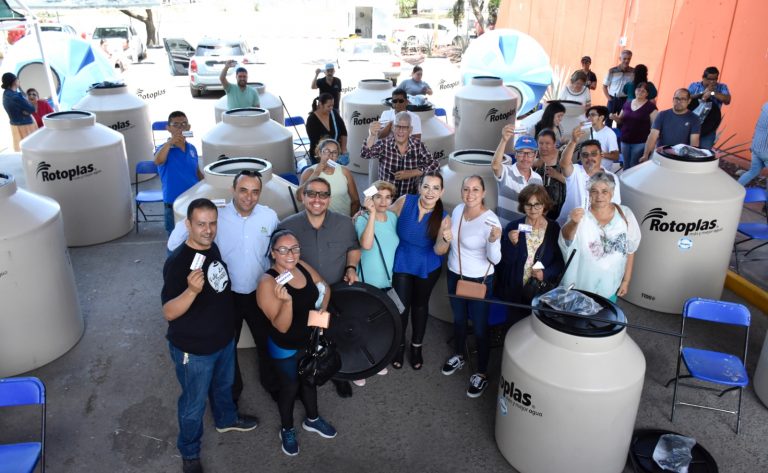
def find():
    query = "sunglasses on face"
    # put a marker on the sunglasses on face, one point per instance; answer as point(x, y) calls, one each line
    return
point(320, 194)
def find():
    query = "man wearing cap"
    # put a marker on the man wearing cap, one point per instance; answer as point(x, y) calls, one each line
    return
point(18, 108)
point(238, 95)
point(512, 178)
point(329, 84)
point(613, 85)
point(399, 104)
point(586, 62)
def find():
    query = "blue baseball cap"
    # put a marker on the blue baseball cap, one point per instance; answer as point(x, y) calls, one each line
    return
point(526, 142)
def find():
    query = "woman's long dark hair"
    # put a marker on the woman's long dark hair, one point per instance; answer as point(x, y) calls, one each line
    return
point(436, 219)
point(641, 74)
point(320, 99)
point(548, 117)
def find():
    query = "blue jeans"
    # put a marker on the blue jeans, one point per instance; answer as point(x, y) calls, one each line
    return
point(168, 214)
point(707, 141)
point(203, 376)
point(478, 311)
point(759, 161)
point(632, 153)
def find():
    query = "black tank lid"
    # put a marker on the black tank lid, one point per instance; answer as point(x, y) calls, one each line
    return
point(584, 327)
point(688, 154)
point(107, 85)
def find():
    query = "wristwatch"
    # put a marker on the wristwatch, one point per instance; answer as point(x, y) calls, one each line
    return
point(712, 93)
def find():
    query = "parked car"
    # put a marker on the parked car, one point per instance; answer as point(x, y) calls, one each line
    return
point(426, 33)
point(58, 28)
point(179, 52)
point(120, 42)
point(209, 59)
point(369, 57)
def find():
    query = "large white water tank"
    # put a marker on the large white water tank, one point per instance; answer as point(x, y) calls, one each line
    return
point(276, 193)
point(83, 166)
point(250, 132)
point(359, 109)
point(436, 135)
point(41, 318)
point(574, 116)
point(481, 109)
point(568, 394)
point(688, 210)
point(267, 101)
point(126, 113)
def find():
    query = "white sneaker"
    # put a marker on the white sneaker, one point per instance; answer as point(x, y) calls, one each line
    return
point(454, 363)
point(359, 382)
point(477, 384)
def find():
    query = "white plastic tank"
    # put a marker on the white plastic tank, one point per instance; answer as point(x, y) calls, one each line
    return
point(83, 166)
point(250, 132)
point(359, 109)
point(688, 210)
point(117, 108)
point(760, 379)
point(574, 116)
point(436, 135)
point(41, 318)
point(461, 164)
point(276, 193)
point(568, 393)
point(267, 101)
point(481, 109)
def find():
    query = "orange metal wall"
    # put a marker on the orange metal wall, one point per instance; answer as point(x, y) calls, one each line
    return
point(676, 39)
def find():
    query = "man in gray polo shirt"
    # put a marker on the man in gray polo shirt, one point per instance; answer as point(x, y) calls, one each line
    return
point(328, 242)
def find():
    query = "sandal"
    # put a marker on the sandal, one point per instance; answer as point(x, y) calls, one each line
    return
point(397, 362)
point(417, 361)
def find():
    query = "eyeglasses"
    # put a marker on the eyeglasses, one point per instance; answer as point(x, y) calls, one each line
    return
point(179, 124)
point(680, 99)
point(402, 127)
point(398, 100)
point(586, 154)
point(537, 205)
point(327, 152)
point(284, 250)
point(321, 195)
point(525, 154)
point(593, 114)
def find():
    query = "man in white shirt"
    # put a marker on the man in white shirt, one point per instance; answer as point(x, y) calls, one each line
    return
point(597, 115)
point(512, 178)
point(244, 229)
point(577, 175)
point(399, 104)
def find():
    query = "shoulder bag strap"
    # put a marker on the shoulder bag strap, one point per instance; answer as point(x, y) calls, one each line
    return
point(458, 244)
point(621, 212)
point(335, 127)
point(383, 261)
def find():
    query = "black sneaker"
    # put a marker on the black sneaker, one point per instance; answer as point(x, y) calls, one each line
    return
point(244, 423)
point(454, 363)
point(192, 466)
point(477, 384)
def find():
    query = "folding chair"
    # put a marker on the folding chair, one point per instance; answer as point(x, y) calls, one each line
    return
point(440, 112)
point(752, 230)
point(301, 141)
point(146, 196)
point(158, 126)
point(713, 366)
point(23, 457)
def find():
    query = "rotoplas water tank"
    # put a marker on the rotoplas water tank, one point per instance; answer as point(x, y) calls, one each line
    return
point(83, 166)
point(41, 318)
point(267, 101)
point(568, 394)
point(359, 109)
point(481, 109)
point(688, 210)
point(126, 113)
point(250, 132)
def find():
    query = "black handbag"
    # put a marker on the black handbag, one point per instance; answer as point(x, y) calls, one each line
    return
point(322, 360)
point(533, 287)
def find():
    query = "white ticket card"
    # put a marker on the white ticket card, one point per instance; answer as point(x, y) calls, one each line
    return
point(284, 278)
point(537, 265)
point(371, 191)
point(525, 228)
point(492, 223)
point(197, 262)
point(219, 202)
point(332, 163)
point(187, 134)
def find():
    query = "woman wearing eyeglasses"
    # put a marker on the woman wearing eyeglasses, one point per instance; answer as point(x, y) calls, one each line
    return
point(288, 307)
point(424, 229)
point(605, 236)
point(42, 108)
point(528, 249)
point(325, 122)
point(344, 196)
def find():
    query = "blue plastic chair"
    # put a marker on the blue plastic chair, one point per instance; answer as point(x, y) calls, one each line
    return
point(714, 367)
point(146, 196)
point(302, 141)
point(23, 457)
point(158, 126)
point(751, 230)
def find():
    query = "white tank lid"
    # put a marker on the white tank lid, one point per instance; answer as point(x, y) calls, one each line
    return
point(259, 86)
point(245, 116)
point(487, 81)
point(221, 173)
point(7, 185)
point(69, 120)
point(374, 84)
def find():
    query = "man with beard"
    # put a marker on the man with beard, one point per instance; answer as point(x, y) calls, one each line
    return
point(238, 95)
point(675, 126)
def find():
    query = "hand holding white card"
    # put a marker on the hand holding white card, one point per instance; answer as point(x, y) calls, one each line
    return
point(197, 262)
point(538, 265)
point(284, 278)
point(525, 228)
point(371, 191)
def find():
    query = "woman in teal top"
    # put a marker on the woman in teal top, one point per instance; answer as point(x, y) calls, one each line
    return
point(424, 229)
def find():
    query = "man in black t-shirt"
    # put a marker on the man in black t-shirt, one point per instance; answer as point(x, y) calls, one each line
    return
point(198, 305)
point(329, 84)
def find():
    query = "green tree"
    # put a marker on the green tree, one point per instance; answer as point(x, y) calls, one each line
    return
point(457, 12)
point(406, 7)
point(493, 11)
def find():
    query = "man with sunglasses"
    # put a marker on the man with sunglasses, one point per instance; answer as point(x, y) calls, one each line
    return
point(577, 175)
point(675, 126)
point(328, 242)
point(399, 104)
point(177, 164)
point(244, 228)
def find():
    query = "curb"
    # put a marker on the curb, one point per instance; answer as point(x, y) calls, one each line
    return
point(747, 290)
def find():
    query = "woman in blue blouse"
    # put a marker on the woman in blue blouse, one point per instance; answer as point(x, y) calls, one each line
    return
point(424, 229)
point(18, 108)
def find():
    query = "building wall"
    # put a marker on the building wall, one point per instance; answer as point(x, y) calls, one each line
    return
point(676, 39)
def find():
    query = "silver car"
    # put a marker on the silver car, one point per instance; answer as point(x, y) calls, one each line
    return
point(210, 57)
